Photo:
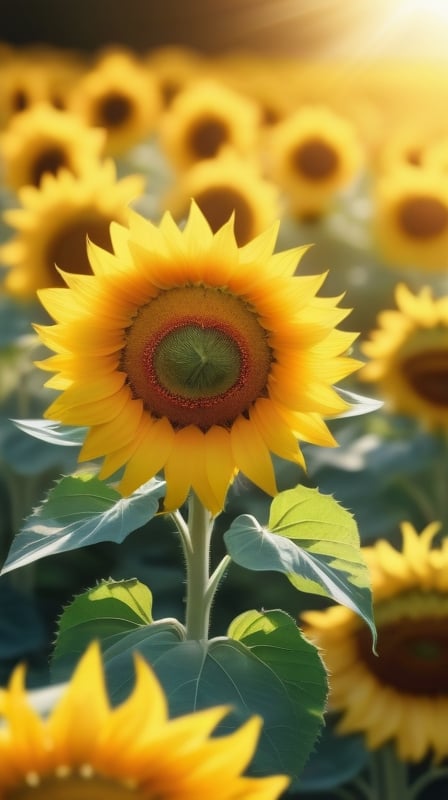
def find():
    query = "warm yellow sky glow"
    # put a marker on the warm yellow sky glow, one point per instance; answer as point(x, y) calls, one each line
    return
point(415, 29)
point(348, 29)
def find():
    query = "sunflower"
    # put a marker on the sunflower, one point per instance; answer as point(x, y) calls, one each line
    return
point(54, 221)
point(410, 218)
point(131, 751)
point(313, 154)
point(120, 94)
point(21, 85)
point(44, 139)
point(435, 155)
point(404, 146)
point(225, 185)
point(401, 695)
point(259, 78)
point(174, 67)
point(408, 355)
point(35, 74)
point(204, 118)
point(183, 349)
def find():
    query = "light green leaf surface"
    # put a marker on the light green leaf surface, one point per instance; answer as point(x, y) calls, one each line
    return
point(109, 609)
point(80, 511)
point(313, 541)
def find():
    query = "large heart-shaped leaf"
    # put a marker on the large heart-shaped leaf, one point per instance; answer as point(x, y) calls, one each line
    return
point(264, 666)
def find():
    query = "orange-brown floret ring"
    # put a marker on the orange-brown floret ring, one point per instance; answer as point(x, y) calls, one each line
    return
point(203, 368)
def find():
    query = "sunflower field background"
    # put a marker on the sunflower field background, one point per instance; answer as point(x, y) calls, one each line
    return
point(352, 162)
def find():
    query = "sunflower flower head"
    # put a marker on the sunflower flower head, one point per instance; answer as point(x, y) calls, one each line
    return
point(313, 153)
point(44, 139)
point(23, 82)
point(174, 67)
point(408, 355)
point(185, 350)
point(120, 94)
point(226, 185)
point(205, 117)
point(410, 219)
point(54, 220)
point(401, 695)
point(87, 749)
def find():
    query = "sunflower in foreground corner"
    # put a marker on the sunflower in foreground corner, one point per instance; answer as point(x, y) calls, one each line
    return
point(131, 751)
point(408, 355)
point(186, 353)
point(401, 694)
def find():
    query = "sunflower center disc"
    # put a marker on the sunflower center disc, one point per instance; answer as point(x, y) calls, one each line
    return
point(197, 362)
point(219, 202)
point(197, 356)
point(114, 110)
point(427, 373)
point(412, 647)
point(315, 159)
point(50, 160)
point(207, 137)
point(68, 249)
point(423, 217)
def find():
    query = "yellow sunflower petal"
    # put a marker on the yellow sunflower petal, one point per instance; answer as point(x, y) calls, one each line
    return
point(73, 731)
point(252, 455)
point(154, 448)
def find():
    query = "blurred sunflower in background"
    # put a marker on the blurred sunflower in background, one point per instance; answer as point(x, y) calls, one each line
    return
point(312, 155)
point(183, 348)
point(224, 186)
point(120, 94)
point(410, 218)
point(405, 146)
point(21, 85)
point(401, 694)
point(54, 221)
point(408, 356)
point(131, 751)
point(43, 139)
point(36, 74)
point(435, 155)
point(174, 67)
point(204, 118)
point(258, 79)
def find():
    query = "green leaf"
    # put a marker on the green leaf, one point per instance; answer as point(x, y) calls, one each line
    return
point(274, 638)
point(335, 761)
point(313, 541)
point(112, 607)
point(80, 511)
point(264, 667)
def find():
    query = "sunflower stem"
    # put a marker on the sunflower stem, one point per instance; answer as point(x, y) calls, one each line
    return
point(197, 555)
point(215, 578)
point(388, 775)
